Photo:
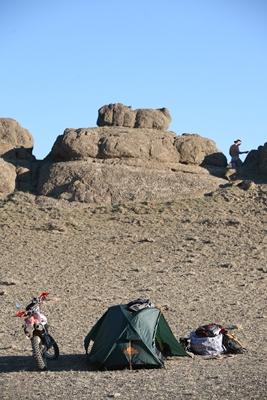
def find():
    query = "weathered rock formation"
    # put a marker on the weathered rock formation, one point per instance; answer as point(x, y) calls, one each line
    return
point(256, 161)
point(122, 143)
point(145, 144)
point(16, 145)
point(7, 178)
point(146, 118)
point(15, 142)
point(116, 164)
point(130, 157)
point(113, 181)
point(195, 149)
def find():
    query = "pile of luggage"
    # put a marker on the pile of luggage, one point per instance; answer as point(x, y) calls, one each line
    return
point(213, 340)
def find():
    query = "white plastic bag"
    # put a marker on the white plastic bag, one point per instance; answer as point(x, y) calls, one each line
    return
point(206, 345)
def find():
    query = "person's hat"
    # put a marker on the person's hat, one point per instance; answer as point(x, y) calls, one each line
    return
point(237, 140)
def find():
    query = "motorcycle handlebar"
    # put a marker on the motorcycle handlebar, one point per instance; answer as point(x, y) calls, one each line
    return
point(20, 313)
point(35, 300)
point(42, 296)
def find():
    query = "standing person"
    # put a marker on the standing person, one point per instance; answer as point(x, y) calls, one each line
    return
point(234, 153)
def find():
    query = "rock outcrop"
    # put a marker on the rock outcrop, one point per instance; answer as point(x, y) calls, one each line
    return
point(7, 178)
point(16, 142)
point(256, 161)
point(146, 118)
point(130, 157)
point(262, 151)
point(122, 143)
point(195, 149)
point(113, 181)
point(119, 164)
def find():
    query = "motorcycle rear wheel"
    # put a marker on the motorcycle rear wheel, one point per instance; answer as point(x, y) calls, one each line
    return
point(52, 353)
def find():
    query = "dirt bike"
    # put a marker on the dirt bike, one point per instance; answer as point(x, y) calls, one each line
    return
point(35, 328)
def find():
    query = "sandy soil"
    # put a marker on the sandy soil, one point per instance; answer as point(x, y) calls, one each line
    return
point(203, 260)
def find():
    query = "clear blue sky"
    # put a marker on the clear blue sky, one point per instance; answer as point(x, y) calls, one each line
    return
point(205, 60)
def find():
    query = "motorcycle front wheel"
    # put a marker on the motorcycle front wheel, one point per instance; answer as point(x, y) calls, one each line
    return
point(38, 349)
point(44, 349)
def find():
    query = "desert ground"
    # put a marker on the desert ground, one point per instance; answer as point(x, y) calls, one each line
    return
point(201, 259)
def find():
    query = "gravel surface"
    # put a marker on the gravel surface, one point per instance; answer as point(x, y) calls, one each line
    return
point(202, 260)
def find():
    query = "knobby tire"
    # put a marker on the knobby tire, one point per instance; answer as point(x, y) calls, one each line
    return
point(37, 353)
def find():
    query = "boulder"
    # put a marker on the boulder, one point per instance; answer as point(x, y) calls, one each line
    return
point(252, 161)
point(195, 149)
point(120, 115)
point(116, 115)
point(75, 144)
point(140, 144)
point(114, 142)
point(114, 181)
point(263, 159)
point(153, 119)
point(215, 159)
point(15, 142)
point(256, 161)
point(7, 178)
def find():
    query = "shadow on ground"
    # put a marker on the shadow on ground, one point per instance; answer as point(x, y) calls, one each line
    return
point(65, 362)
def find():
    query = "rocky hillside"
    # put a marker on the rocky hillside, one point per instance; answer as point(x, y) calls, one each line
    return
point(131, 156)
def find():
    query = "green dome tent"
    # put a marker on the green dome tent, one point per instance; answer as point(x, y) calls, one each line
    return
point(126, 339)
